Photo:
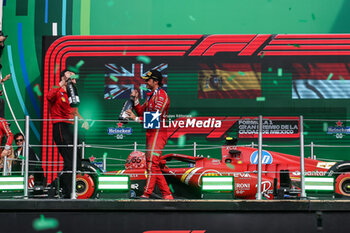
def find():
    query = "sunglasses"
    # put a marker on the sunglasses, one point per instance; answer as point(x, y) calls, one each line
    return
point(19, 140)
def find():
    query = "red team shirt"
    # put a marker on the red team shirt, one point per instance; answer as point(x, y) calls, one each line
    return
point(5, 130)
point(59, 105)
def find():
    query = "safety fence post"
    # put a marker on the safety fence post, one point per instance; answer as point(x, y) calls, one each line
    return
point(302, 162)
point(259, 196)
point(75, 152)
point(26, 157)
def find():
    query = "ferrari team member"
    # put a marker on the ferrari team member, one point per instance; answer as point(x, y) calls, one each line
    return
point(5, 131)
point(63, 129)
point(157, 101)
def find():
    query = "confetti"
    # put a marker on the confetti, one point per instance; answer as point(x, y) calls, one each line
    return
point(79, 64)
point(313, 16)
point(181, 141)
point(42, 223)
point(231, 78)
point(275, 82)
point(21, 157)
point(124, 52)
point(37, 91)
point(92, 123)
point(330, 76)
point(105, 155)
point(143, 88)
point(193, 113)
point(110, 3)
point(171, 188)
point(73, 69)
point(241, 73)
point(144, 59)
point(306, 126)
point(191, 18)
point(170, 142)
point(168, 25)
point(230, 165)
point(115, 79)
point(279, 72)
point(261, 98)
point(76, 76)
point(290, 8)
point(325, 126)
point(341, 78)
point(296, 45)
point(306, 133)
point(55, 86)
point(270, 69)
point(262, 55)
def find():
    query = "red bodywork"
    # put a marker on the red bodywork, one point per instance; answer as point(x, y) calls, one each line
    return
point(240, 163)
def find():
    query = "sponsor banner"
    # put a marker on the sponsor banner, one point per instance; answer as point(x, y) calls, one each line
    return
point(113, 131)
point(273, 127)
point(217, 127)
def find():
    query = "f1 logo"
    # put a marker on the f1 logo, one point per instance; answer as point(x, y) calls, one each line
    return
point(151, 120)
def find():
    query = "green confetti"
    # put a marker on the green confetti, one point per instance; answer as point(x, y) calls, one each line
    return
point(168, 25)
point(181, 141)
point(241, 73)
point(36, 89)
point(171, 188)
point(192, 18)
point(143, 88)
point(270, 69)
point(110, 3)
point(330, 76)
point(341, 78)
point(296, 45)
point(105, 155)
point(55, 86)
point(73, 69)
point(115, 79)
point(261, 98)
point(193, 113)
point(144, 59)
point(59, 232)
point(42, 223)
point(231, 78)
point(230, 165)
point(262, 55)
point(306, 126)
point(21, 157)
point(275, 82)
point(170, 142)
point(306, 133)
point(279, 72)
point(290, 8)
point(79, 64)
point(313, 16)
point(124, 52)
point(76, 76)
point(92, 123)
point(325, 126)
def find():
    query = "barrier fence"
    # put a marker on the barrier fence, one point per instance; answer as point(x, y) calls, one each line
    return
point(195, 149)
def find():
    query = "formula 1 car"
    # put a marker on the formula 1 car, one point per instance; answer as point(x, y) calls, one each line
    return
point(279, 172)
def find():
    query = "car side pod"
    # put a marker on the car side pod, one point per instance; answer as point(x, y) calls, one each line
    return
point(113, 187)
point(217, 187)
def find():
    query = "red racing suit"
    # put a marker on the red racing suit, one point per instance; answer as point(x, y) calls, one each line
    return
point(156, 139)
point(5, 130)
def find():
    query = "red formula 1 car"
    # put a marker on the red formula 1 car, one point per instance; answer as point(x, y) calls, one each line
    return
point(279, 171)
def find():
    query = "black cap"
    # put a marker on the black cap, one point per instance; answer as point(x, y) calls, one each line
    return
point(154, 74)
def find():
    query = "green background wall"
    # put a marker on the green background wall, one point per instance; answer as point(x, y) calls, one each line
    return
point(26, 21)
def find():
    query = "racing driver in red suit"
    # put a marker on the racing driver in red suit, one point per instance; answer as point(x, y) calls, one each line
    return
point(157, 101)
